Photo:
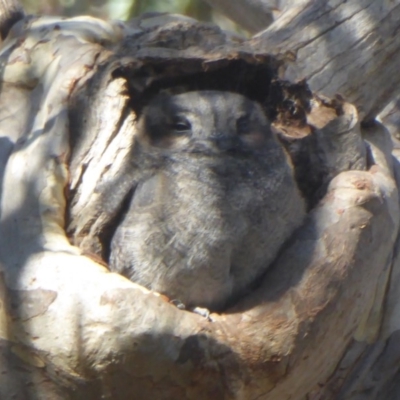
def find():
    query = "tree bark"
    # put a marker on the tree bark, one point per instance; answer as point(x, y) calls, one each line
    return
point(10, 12)
point(318, 326)
point(340, 48)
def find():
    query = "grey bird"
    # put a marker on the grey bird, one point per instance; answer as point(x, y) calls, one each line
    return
point(214, 199)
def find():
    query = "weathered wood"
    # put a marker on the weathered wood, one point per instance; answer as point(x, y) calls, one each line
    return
point(340, 47)
point(369, 368)
point(100, 335)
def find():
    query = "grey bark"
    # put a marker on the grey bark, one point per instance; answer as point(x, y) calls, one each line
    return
point(320, 324)
point(10, 12)
point(340, 48)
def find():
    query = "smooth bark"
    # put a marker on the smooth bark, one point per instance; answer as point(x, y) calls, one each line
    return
point(71, 329)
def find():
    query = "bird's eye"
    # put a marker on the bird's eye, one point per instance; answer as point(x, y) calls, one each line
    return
point(243, 124)
point(181, 125)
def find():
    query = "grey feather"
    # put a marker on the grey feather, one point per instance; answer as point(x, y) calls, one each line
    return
point(216, 201)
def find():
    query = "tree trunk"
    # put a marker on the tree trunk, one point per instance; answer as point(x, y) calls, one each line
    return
point(340, 48)
point(10, 12)
point(322, 323)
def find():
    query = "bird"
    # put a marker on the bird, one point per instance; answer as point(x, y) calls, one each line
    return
point(213, 198)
